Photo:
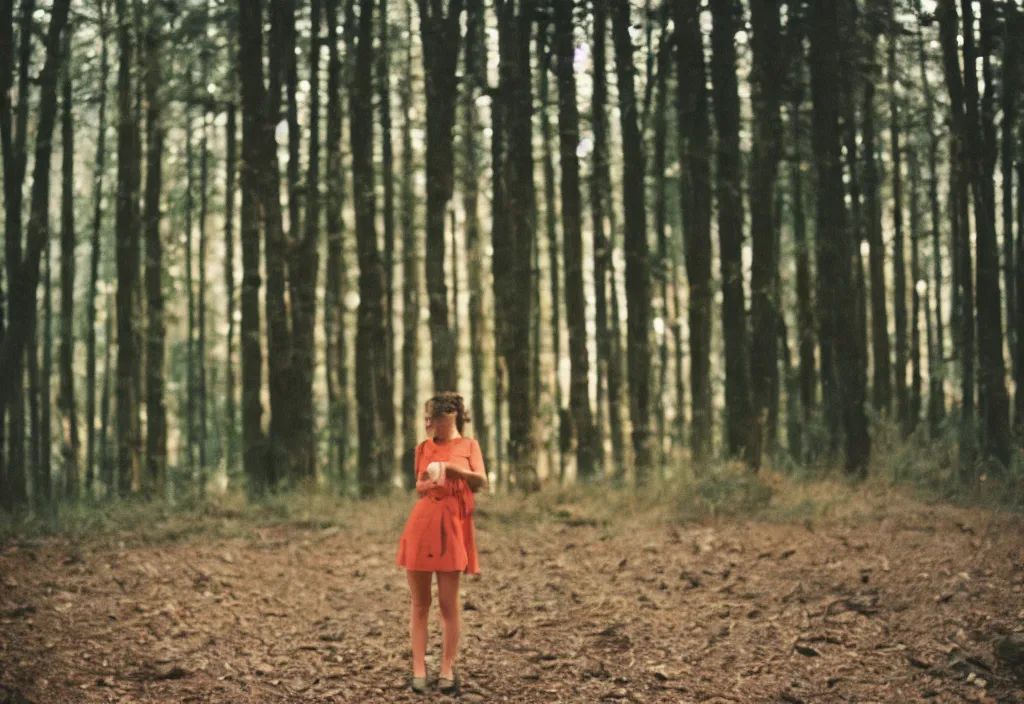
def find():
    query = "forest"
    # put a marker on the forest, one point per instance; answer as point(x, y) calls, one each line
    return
point(733, 290)
point(635, 235)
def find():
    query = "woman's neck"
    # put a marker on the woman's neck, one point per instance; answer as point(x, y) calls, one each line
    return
point(441, 438)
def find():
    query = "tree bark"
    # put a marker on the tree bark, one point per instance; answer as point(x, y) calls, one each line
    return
point(204, 163)
point(572, 215)
point(334, 305)
point(1011, 84)
point(602, 253)
point(15, 166)
point(914, 408)
point(442, 36)
point(388, 176)
point(411, 264)
point(373, 387)
point(156, 413)
point(661, 269)
point(513, 242)
point(94, 261)
point(66, 405)
point(546, 51)
point(476, 82)
point(836, 255)
point(190, 293)
point(992, 387)
point(638, 282)
point(959, 181)
point(730, 227)
point(231, 170)
point(881, 387)
point(936, 364)
point(899, 249)
point(695, 155)
point(767, 143)
point(303, 267)
point(127, 228)
point(254, 125)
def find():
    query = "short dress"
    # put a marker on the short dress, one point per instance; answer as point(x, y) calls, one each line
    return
point(439, 535)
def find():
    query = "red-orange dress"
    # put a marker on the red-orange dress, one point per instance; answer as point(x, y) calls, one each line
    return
point(439, 535)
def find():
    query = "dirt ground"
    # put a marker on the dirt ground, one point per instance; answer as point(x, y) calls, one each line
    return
point(898, 606)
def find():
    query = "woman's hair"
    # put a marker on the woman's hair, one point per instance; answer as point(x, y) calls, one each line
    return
point(449, 402)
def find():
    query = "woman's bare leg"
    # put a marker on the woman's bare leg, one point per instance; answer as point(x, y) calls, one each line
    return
point(419, 589)
point(448, 598)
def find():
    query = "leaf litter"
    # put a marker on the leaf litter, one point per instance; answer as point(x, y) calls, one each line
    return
point(903, 608)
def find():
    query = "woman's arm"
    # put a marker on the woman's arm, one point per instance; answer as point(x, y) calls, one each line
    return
point(476, 475)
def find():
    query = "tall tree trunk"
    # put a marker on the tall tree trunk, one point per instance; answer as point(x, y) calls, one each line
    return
point(281, 49)
point(388, 177)
point(22, 287)
point(513, 242)
point(476, 82)
point(852, 51)
point(914, 408)
point(661, 269)
point(936, 365)
point(66, 399)
point(127, 227)
point(254, 125)
point(411, 262)
point(1011, 83)
point(204, 159)
point(38, 402)
point(334, 306)
point(638, 282)
point(372, 384)
point(602, 253)
point(442, 35)
point(835, 247)
point(303, 267)
point(156, 413)
point(767, 146)
point(15, 165)
point(960, 177)
point(730, 227)
point(6, 81)
point(695, 155)
point(881, 387)
point(546, 50)
point(44, 441)
point(805, 305)
point(106, 456)
point(231, 169)
point(1016, 28)
point(190, 288)
point(899, 266)
point(94, 260)
point(992, 387)
point(575, 298)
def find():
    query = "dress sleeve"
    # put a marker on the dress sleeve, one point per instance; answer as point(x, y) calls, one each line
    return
point(476, 459)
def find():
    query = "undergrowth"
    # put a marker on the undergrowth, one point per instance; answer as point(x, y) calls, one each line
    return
point(902, 473)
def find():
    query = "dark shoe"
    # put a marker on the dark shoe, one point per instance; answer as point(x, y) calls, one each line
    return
point(448, 685)
point(419, 685)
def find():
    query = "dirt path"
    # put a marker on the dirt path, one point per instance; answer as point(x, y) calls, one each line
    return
point(899, 609)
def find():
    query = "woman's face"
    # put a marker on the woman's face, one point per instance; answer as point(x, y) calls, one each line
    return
point(443, 425)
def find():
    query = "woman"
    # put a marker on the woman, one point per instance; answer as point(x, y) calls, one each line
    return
point(439, 535)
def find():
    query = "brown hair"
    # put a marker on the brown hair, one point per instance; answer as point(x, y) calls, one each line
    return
point(449, 402)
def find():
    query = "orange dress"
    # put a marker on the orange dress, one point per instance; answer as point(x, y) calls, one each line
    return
point(439, 535)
